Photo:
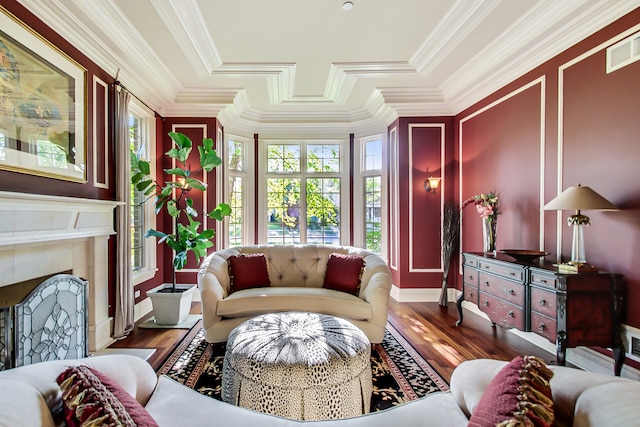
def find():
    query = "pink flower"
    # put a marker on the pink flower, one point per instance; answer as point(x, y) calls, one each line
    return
point(486, 204)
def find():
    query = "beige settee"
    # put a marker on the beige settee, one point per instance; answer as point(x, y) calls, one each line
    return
point(30, 397)
point(296, 273)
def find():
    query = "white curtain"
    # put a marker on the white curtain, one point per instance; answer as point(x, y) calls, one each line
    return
point(123, 316)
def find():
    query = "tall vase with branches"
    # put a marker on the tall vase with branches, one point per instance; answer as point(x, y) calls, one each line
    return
point(173, 195)
point(450, 242)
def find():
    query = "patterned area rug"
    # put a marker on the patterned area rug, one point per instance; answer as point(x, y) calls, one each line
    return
point(400, 374)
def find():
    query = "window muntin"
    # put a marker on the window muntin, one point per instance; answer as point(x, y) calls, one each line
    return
point(373, 155)
point(50, 154)
point(283, 158)
point(236, 219)
point(304, 205)
point(138, 223)
point(3, 147)
point(143, 250)
point(283, 207)
point(373, 213)
point(323, 210)
point(239, 177)
point(323, 158)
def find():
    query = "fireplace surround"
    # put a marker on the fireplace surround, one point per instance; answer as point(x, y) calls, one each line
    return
point(43, 235)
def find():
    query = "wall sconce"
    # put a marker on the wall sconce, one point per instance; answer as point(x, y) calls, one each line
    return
point(576, 199)
point(431, 184)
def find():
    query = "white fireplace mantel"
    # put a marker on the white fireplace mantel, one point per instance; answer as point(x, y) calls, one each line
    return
point(44, 235)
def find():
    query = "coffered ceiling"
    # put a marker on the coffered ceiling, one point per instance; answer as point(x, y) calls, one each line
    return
point(285, 67)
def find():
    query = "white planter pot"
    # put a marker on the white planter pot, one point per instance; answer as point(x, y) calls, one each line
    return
point(171, 308)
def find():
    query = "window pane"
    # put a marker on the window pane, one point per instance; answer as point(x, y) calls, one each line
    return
point(323, 210)
point(283, 158)
point(373, 155)
point(50, 154)
point(235, 156)
point(283, 208)
point(3, 146)
point(323, 158)
point(236, 218)
point(373, 209)
point(137, 201)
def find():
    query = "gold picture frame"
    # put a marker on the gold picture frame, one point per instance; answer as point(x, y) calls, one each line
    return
point(42, 105)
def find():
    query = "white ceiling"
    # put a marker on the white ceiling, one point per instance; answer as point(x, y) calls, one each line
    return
point(292, 67)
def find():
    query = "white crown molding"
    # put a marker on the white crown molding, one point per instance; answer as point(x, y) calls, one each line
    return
point(133, 52)
point(486, 73)
point(512, 54)
point(185, 22)
point(461, 19)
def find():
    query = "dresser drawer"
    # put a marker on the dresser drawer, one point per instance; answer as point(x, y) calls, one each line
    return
point(543, 302)
point(470, 276)
point(471, 261)
point(471, 294)
point(502, 288)
point(544, 326)
point(501, 312)
point(511, 271)
point(542, 278)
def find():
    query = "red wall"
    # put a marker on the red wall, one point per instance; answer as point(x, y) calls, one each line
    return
point(566, 122)
point(25, 183)
point(423, 143)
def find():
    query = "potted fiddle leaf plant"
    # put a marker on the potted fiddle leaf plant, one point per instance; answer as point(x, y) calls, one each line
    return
point(171, 303)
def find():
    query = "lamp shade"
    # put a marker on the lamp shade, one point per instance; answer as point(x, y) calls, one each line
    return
point(579, 198)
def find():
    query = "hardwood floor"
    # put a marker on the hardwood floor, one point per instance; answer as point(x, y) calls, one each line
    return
point(427, 326)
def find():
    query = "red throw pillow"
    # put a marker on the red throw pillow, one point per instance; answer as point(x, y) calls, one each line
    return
point(344, 273)
point(91, 398)
point(519, 395)
point(248, 271)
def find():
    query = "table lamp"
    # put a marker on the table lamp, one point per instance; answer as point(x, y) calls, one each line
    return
point(578, 198)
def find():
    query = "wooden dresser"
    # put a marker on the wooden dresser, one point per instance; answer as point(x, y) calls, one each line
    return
point(570, 310)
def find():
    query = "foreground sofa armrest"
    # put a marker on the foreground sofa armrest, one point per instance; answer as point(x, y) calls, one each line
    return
point(30, 393)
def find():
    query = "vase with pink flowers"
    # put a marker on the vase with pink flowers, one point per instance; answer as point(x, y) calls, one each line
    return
point(487, 206)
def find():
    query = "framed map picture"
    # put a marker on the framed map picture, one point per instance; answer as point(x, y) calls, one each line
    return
point(42, 105)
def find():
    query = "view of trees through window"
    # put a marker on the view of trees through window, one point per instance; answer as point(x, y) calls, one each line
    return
point(372, 175)
point(303, 193)
point(236, 191)
point(137, 202)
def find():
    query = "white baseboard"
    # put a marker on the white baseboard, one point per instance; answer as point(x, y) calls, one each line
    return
point(421, 294)
point(142, 308)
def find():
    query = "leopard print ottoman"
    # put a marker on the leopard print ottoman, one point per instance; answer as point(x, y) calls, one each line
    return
point(302, 366)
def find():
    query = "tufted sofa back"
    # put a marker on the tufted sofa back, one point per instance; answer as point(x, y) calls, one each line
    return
point(297, 265)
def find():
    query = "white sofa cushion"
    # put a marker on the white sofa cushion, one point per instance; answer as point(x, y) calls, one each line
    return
point(23, 405)
point(173, 404)
point(613, 404)
point(256, 301)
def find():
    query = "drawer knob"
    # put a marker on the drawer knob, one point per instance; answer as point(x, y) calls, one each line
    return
point(543, 281)
point(512, 273)
point(510, 292)
point(511, 314)
point(542, 302)
point(541, 327)
point(487, 283)
point(486, 303)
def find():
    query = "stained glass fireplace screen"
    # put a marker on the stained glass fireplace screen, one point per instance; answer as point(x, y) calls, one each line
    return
point(51, 322)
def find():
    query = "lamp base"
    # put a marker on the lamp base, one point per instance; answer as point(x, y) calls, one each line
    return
point(571, 267)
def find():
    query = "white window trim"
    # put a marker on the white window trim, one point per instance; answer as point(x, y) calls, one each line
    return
point(360, 173)
point(248, 175)
point(148, 130)
point(345, 209)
